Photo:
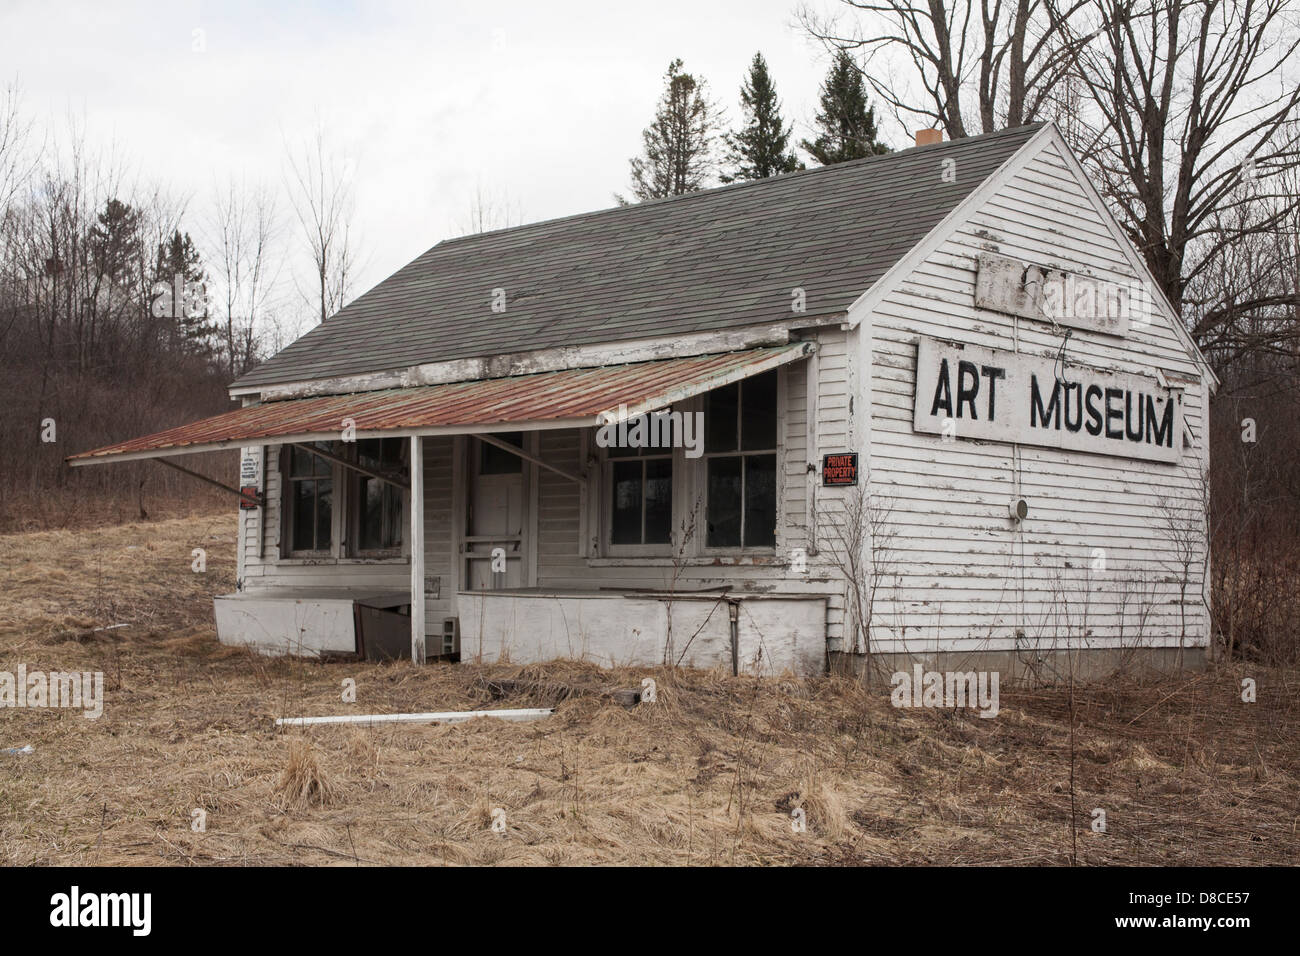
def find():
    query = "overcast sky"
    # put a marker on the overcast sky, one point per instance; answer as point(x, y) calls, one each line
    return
point(540, 101)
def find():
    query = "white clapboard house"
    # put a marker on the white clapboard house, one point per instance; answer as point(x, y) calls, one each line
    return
point(929, 404)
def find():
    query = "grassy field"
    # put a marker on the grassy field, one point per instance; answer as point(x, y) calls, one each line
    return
point(709, 774)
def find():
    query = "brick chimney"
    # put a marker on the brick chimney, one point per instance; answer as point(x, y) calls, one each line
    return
point(924, 137)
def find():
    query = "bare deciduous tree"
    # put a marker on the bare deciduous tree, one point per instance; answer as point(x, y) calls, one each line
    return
point(1182, 523)
point(1174, 106)
point(16, 161)
point(1189, 100)
point(16, 166)
point(489, 211)
point(968, 66)
point(857, 538)
point(320, 181)
point(244, 231)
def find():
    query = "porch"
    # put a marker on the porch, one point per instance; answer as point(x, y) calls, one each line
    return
point(472, 516)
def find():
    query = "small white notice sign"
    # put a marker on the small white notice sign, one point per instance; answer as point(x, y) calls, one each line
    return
point(249, 469)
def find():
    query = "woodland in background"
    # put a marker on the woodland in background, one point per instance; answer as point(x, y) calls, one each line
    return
point(95, 343)
point(125, 309)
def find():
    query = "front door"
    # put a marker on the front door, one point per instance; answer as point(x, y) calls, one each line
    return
point(494, 551)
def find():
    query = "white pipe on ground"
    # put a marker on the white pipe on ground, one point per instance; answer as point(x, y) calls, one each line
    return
point(445, 717)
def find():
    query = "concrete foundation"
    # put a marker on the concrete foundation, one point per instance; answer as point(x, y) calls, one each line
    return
point(1025, 668)
point(774, 633)
point(300, 623)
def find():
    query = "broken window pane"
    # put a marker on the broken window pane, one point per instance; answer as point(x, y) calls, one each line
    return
point(658, 500)
point(494, 460)
point(760, 501)
point(625, 523)
point(724, 503)
point(758, 412)
point(720, 418)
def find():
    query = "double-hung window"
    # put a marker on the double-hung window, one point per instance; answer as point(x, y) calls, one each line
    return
point(370, 512)
point(377, 505)
point(641, 495)
point(740, 423)
point(309, 502)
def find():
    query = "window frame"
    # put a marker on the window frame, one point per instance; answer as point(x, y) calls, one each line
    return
point(656, 550)
point(287, 522)
point(778, 485)
point(690, 490)
point(354, 511)
point(345, 513)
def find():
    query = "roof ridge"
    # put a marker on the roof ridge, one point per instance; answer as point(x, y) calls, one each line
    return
point(749, 183)
point(710, 260)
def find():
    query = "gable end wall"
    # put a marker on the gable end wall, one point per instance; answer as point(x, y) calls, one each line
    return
point(958, 575)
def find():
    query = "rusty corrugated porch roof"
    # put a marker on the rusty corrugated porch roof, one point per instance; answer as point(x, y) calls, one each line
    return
point(570, 398)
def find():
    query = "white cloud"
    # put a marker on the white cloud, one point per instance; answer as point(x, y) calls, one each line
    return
point(543, 102)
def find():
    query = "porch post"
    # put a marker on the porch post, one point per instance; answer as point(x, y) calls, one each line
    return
point(417, 550)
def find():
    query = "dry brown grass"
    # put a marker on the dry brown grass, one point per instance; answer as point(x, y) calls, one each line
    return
point(707, 775)
point(32, 506)
point(303, 783)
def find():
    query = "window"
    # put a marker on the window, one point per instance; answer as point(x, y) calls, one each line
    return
point(377, 505)
point(740, 460)
point(641, 494)
point(309, 501)
point(371, 512)
point(495, 460)
point(642, 500)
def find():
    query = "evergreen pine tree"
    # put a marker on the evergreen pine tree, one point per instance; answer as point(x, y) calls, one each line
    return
point(760, 149)
point(677, 153)
point(846, 124)
point(180, 287)
point(114, 240)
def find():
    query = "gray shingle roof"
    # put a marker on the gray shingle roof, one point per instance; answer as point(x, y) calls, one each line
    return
point(711, 260)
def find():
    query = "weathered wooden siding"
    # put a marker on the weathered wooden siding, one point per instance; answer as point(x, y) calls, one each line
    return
point(958, 575)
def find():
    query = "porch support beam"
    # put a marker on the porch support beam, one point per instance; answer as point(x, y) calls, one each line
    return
point(254, 500)
point(417, 550)
point(348, 463)
point(515, 450)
